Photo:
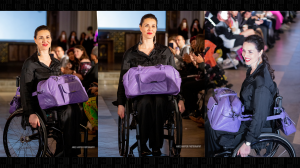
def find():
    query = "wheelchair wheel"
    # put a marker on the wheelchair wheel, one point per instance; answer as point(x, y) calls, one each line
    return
point(177, 140)
point(123, 132)
point(24, 143)
point(269, 145)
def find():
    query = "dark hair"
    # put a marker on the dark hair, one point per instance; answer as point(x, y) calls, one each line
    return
point(151, 16)
point(42, 27)
point(81, 36)
point(200, 42)
point(89, 28)
point(74, 37)
point(61, 34)
point(259, 45)
point(187, 26)
point(84, 54)
point(197, 25)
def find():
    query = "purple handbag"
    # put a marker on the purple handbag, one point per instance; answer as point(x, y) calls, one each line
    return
point(16, 102)
point(159, 79)
point(288, 125)
point(225, 111)
point(60, 90)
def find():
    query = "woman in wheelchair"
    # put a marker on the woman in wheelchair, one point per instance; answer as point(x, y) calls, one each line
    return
point(257, 94)
point(151, 108)
point(40, 66)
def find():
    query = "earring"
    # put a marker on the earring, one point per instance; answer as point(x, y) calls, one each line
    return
point(38, 50)
point(154, 39)
point(258, 62)
point(141, 42)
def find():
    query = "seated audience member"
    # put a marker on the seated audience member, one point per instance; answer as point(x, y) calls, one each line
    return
point(184, 51)
point(191, 87)
point(177, 52)
point(252, 22)
point(53, 52)
point(235, 25)
point(82, 60)
point(223, 31)
point(92, 75)
point(64, 59)
point(71, 64)
point(94, 55)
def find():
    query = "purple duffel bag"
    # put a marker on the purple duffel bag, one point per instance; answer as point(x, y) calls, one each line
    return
point(224, 111)
point(159, 79)
point(16, 102)
point(60, 90)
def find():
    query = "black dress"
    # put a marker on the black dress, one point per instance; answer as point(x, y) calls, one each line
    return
point(257, 95)
point(151, 108)
point(34, 71)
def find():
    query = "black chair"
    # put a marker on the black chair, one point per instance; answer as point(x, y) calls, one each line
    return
point(130, 121)
point(21, 140)
point(269, 144)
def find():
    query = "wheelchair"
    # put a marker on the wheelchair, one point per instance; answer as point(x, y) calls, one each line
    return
point(269, 144)
point(21, 140)
point(173, 125)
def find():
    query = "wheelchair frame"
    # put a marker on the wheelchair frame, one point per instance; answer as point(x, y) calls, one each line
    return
point(174, 121)
point(43, 129)
point(268, 134)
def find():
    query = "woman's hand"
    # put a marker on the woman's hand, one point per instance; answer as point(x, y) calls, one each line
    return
point(180, 106)
point(34, 120)
point(121, 111)
point(244, 150)
point(186, 58)
point(199, 59)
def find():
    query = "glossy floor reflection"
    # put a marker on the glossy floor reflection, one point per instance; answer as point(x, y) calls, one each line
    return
point(108, 130)
point(285, 60)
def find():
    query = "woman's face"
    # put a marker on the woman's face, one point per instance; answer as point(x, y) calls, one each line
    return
point(63, 33)
point(71, 55)
point(193, 44)
point(174, 44)
point(73, 34)
point(183, 21)
point(196, 21)
point(82, 35)
point(250, 54)
point(43, 40)
point(148, 28)
point(78, 53)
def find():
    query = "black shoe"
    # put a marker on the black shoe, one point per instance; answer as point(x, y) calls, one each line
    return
point(145, 151)
point(156, 152)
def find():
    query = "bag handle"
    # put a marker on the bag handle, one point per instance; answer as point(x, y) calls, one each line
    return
point(228, 94)
point(282, 115)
